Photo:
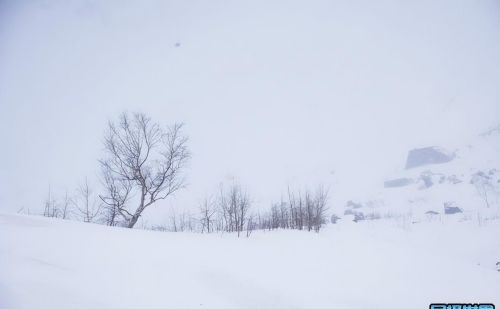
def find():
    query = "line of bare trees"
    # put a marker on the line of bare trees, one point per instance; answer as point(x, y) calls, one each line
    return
point(83, 205)
point(144, 162)
point(57, 208)
point(230, 212)
point(302, 211)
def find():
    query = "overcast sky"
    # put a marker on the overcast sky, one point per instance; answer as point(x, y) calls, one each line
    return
point(273, 93)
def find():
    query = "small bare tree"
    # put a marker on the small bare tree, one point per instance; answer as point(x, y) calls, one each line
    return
point(483, 188)
point(117, 194)
point(55, 208)
point(147, 157)
point(87, 205)
point(50, 207)
point(65, 208)
point(207, 212)
point(320, 207)
point(182, 222)
point(234, 205)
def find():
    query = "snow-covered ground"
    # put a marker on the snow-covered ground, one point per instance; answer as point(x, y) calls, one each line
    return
point(50, 263)
point(277, 96)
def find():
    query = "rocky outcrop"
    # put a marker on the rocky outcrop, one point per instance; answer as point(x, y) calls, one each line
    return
point(398, 182)
point(451, 209)
point(425, 156)
point(453, 179)
point(432, 213)
point(358, 216)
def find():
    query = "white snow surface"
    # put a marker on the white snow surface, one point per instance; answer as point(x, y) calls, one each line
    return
point(50, 263)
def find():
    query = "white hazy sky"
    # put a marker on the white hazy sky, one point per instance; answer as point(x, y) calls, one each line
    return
point(273, 93)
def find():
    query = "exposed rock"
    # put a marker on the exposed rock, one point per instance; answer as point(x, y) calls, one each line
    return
point(449, 209)
point(358, 216)
point(428, 155)
point(398, 182)
point(454, 179)
point(427, 180)
point(452, 210)
point(479, 175)
point(481, 178)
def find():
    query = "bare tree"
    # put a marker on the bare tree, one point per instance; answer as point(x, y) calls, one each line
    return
point(117, 194)
point(50, 207)
point(483, 186)
point(320, 207)
point(173, 222)
point(251, 225)
point(147, 157)
point(181, 223)
point(86, 203)
point(55, 209)
point(65, 208)
point(234, 205)
point(296, 210)
point(309, 210)
point(207, 212)
point(241, 204)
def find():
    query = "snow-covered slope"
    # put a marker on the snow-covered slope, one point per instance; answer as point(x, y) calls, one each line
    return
point(468, 179)
point(54, 264)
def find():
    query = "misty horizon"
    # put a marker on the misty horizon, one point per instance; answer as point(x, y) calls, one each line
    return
point(334, 94)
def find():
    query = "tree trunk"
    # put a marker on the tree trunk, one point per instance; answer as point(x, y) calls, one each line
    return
point(133, 221)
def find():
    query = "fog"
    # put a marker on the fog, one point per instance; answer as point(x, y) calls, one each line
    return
point(273, 93)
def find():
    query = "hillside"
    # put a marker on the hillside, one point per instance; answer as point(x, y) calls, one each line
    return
point(466, 180)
